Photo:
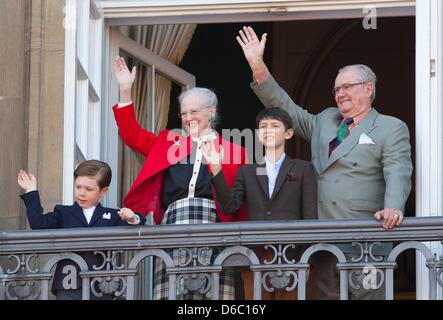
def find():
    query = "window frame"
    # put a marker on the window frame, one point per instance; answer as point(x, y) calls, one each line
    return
point(429, 70)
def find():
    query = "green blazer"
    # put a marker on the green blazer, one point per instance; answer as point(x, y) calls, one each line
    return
point(369, 171)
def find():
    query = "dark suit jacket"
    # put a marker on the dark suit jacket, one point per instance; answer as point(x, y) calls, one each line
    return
point(70, 217)
point(294, 196)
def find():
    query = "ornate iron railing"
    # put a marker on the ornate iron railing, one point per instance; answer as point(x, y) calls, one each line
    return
point(236, 240)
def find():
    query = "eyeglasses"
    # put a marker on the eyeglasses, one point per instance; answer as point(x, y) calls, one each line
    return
point(194, 112)
point(345, 87)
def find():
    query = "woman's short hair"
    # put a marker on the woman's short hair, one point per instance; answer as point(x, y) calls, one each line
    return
point(209, 99)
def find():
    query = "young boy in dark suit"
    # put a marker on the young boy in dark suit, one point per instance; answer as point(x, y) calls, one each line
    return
point(280, 189)
point(92, 179)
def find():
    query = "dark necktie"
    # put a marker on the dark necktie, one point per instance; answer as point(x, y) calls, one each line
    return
point(342, 133)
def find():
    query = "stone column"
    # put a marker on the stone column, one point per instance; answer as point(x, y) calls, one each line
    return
point(13, 108)
point(31, 106)
point(31, 103)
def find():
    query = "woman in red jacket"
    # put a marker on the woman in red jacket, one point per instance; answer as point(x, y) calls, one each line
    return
point(173, 184)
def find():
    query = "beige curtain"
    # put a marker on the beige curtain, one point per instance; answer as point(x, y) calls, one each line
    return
point(169, 42)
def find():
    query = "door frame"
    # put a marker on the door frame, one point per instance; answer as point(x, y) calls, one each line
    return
point(429, 70)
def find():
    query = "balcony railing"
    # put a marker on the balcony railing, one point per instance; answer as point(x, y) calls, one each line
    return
point(236, 240)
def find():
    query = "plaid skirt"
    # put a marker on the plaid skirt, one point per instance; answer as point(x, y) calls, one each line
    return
point(190, 211)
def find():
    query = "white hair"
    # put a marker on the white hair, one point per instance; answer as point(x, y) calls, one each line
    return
point(365, 75)
point(209, 99)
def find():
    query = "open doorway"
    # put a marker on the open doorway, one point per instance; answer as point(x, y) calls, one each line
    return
point(304, 57)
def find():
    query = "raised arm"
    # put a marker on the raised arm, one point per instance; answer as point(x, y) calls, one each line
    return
point(267, 89)
point(27, 181)
point(34, 210)
point(253, 49)
point(133, 134)
point(125, 79)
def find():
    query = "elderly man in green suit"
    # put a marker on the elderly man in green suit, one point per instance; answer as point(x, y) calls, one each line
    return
point(362, 159)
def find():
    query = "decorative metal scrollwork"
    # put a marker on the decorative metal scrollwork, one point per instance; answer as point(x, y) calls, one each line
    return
point(109, 260)
point(367, 277)
point(279, 279)
point(23, 262)
point(22, 290)
point(279, 254)
point(440, 277)
point(192, 257)
point(108, 285)
point(25, 289)
point(197, 256)
point(439, 271)
point(366, 252)
point(200, 282)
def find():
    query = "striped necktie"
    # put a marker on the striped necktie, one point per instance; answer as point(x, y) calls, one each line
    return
point(342, 133)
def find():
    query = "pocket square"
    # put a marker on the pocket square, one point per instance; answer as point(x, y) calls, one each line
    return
point(364, 139)
point(107, 216)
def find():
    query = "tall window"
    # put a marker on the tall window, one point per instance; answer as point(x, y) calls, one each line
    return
point(88, 81)
point(83, 25)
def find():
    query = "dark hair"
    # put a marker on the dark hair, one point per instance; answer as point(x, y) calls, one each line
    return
point(275, 114)
point(95, 168)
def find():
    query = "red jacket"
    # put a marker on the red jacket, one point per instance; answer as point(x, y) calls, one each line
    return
point(161, 152)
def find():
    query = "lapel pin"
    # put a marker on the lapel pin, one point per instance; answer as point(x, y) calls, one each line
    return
point(291, 176)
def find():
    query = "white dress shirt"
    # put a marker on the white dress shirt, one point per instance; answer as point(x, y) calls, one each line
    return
point(272, 170)
point(88, 212)
point(198, 161)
